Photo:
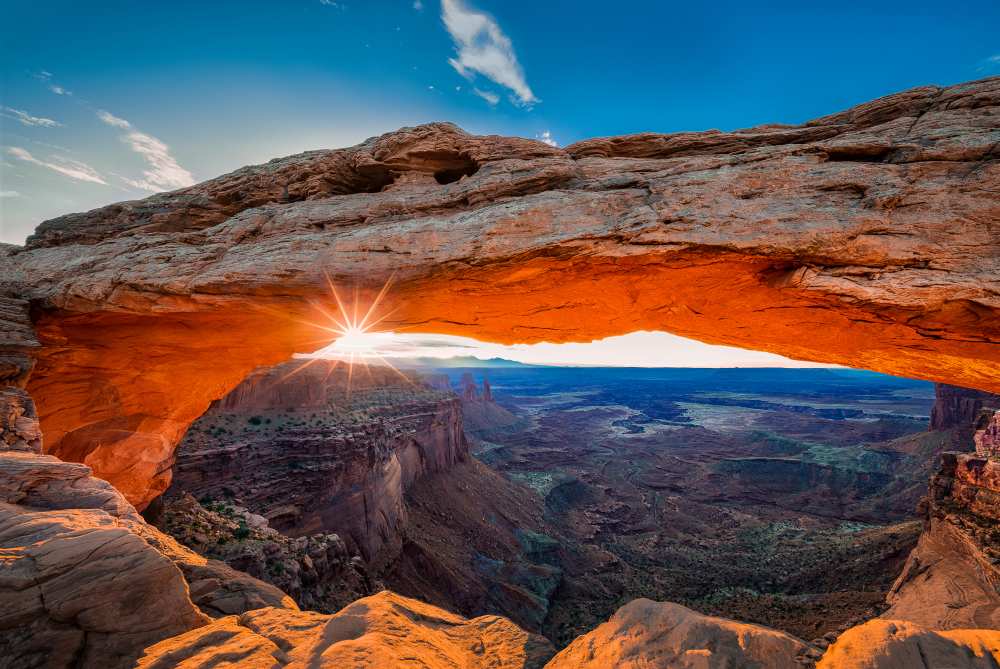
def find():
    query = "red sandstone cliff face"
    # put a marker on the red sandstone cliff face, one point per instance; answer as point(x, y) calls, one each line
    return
point(835, 240)
point(956, 407)
point(313, 455)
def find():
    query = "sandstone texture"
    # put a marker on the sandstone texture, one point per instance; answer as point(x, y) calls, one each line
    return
point(890, 644)
point(952, 578)
point(956, 407)
point(987, 437)
point(384, 630)
point(865, 238)
point(313, 451)
point(645, 635)
point(85, 582)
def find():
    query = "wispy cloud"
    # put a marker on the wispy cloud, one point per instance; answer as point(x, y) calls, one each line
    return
point(991, 63)
point(545, 137)
point(73, 169)
point(489, 96)
point(52, 86)
point(482, 47)
point(9, 193)
point(164, 172)
point(27, 119)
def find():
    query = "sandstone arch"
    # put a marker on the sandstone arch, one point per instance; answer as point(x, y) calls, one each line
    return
point(868, 238)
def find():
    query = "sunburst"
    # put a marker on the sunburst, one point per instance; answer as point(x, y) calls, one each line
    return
point(356, 339)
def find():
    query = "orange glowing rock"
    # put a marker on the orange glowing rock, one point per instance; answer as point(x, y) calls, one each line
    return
point(865, 238)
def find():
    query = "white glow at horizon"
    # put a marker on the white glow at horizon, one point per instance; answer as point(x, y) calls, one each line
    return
point(637, 349)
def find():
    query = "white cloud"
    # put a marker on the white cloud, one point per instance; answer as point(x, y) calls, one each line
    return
point(111, 119)
point(164, 172)
point(546, 138)
point(418, 5)
point(482, 47)
point(27, 119)
point(73, 169)
point(47, 78)
point(991, 63)
point(490, 97)
point(9, 193)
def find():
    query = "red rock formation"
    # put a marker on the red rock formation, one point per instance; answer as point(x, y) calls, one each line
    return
point(951, 579)
point(85, 582)
point(987, 436)
point(293, 444)
point(832, 241)
point(956, 407)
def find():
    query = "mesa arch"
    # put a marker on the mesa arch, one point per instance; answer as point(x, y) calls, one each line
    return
point(866, 238)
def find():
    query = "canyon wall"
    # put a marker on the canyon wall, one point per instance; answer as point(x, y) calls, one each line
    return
point(956, 407)
point(313, 451)
point(863, 238)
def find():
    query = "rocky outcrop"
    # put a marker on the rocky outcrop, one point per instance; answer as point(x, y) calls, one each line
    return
point(834, 241)
point(892, 644)
point(317, 571)
point(384, 630)
point(952, 578)
point(85, 582)
point(959, 408)
point(645, 634)
point(19, 429)
point(79, 590)
point(987, 435)
point(480, 412)
point(315, 452)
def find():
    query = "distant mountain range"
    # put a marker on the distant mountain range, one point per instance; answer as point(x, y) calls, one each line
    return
point(461, 362)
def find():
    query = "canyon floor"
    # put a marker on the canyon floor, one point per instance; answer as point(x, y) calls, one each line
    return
point(786, 498)
point(782, 497)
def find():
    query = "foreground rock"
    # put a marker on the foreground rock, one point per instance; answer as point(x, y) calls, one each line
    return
point(865, 238)
point(653, 635)
point(952, 579)
point(892, 644)
point(85, 582)
point(384, 630)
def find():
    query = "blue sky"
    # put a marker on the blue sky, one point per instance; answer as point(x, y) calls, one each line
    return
point(195, 89)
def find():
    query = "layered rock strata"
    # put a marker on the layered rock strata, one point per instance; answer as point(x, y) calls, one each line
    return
point(316, 452)
point(863, 238)
point(85, 582)
point(952, 578)
point(959, 408)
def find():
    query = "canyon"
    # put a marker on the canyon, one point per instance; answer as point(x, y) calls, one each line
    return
point(865, 238)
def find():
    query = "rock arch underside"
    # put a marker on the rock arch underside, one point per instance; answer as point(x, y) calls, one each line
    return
point(868, 238)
